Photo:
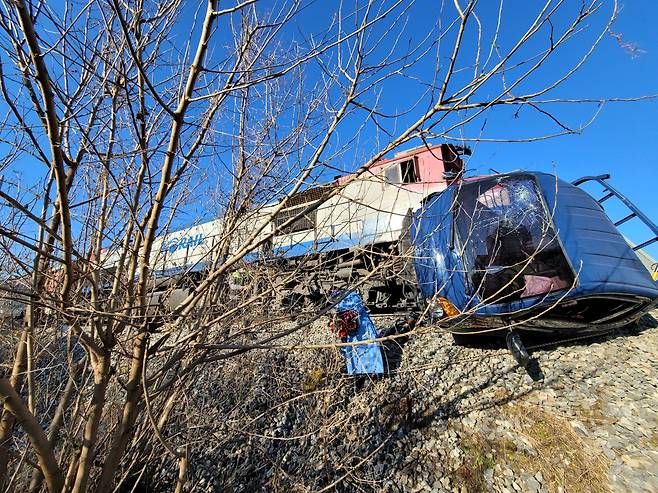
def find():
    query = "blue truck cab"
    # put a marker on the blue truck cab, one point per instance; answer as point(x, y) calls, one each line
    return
point(526, 250)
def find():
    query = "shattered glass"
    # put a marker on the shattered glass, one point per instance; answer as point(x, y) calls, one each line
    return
point(507, 240)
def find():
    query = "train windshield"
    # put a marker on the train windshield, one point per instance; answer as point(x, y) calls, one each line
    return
point(509, 245)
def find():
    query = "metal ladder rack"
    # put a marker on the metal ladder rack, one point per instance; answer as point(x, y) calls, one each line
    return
point(635, 212)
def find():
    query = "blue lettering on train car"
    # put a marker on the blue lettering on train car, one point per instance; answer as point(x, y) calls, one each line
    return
point(181, 243)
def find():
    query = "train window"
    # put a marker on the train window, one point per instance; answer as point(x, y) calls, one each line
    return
point(510, 248)
point(408, 171)
point(402, 173)
point(392, 174)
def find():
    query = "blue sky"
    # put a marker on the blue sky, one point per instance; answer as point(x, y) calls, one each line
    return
point(622, 140)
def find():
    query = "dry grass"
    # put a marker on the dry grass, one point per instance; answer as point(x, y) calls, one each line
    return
point(480, 454)
point(563, 458)
point(595, 414)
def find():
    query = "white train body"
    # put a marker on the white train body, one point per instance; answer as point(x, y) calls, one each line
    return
point(369, 210)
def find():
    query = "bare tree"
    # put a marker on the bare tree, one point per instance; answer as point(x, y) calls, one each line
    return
point(116, 128)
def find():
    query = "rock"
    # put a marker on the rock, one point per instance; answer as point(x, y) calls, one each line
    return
point(609, 453)
point(530, 483)
point(579, 427)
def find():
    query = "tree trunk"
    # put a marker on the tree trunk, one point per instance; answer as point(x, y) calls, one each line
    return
point(35, 433)
point(58, 420)
point(130, 412)
point(8, 419)
point(101, 374)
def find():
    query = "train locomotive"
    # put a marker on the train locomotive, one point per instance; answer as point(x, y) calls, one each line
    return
point(359, 233)
point(487, 253)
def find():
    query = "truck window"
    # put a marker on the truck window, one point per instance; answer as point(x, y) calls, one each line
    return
point(510, 248)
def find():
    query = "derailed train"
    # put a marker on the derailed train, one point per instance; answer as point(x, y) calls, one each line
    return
point(516, 249)
point(347, 237)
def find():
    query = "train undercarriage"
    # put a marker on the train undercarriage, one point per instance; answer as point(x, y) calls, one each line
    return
point(383, 273)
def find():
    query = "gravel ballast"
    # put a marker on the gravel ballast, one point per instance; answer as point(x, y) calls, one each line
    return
point(446, 418)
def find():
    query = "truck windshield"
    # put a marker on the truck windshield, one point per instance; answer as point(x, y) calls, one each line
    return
point(508, 243)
